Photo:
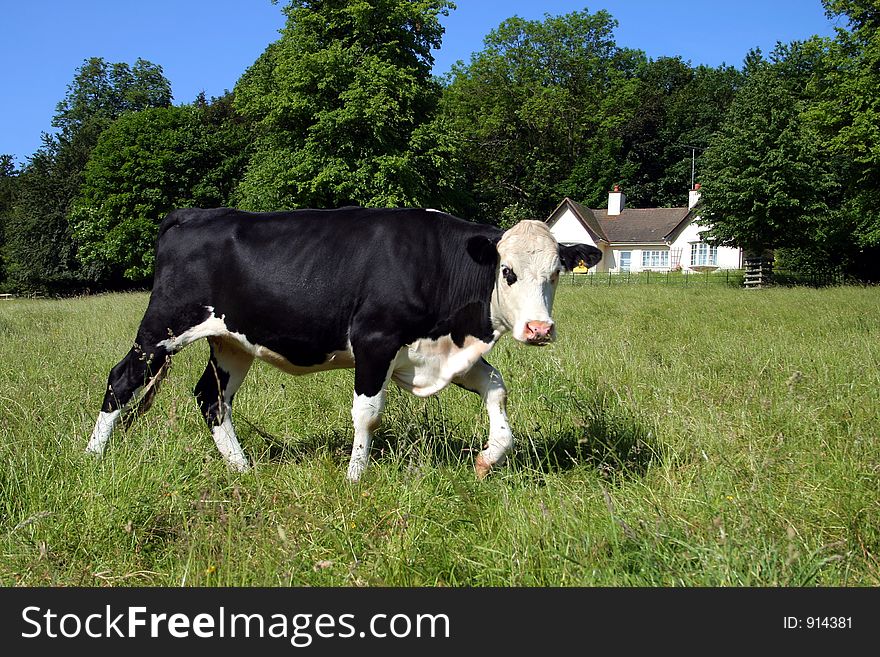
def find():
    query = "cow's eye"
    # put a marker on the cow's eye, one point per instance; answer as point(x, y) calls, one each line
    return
point(508, 274)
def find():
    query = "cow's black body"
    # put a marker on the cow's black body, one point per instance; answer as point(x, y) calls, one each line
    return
point(305, 283)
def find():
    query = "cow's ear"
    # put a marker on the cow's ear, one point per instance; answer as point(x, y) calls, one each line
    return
point(483, 250)
point(572, 254)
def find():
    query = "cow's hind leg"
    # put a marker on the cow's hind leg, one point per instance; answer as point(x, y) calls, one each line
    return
point(227, 367)
point(486, 381)
point(131, 387)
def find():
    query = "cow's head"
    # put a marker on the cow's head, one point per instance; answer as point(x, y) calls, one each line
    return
point(529, 262)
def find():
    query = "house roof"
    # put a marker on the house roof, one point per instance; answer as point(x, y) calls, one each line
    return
point(641, 225)
point(633, 225)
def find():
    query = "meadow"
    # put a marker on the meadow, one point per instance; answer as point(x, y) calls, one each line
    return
point(701, 436)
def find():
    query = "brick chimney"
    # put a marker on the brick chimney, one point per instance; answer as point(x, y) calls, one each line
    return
point(694, 196)
point(616, 201)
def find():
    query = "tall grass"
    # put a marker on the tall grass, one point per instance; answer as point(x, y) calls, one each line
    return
point(671, 436)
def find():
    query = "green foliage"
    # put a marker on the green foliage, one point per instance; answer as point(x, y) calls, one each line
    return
point(766, 183)
point(41, 248)
point(341, 106)
point(535, 108)
point(797, 163)
point(101, 91)
point(555, 108)
point(40, 251)
point(146, 164)
point(847, 113)
point(8, 180)
point(679, 109)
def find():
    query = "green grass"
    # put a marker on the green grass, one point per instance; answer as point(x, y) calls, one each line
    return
point(699, 437)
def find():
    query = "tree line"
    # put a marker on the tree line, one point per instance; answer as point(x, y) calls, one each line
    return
point(343, 109)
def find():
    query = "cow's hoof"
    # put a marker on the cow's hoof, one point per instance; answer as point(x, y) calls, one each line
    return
point(238, 466)
point(481, 467)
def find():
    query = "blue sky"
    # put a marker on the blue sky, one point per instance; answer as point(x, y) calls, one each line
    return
point(205, 45)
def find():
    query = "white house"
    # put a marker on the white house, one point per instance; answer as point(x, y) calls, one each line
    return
point(651, 239)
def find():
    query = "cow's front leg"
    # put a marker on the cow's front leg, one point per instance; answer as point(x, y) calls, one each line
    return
point(366, 415)
point(486, 381)
point(372, 371)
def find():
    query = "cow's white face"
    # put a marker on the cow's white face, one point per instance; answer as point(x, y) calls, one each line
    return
point(528, 272)
point(530, 261)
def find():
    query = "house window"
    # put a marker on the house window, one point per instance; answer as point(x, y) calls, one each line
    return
point(703, 254)
point(625, 259)
point(655, 259)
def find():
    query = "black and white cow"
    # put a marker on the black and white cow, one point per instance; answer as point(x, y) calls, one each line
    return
point(415, 296)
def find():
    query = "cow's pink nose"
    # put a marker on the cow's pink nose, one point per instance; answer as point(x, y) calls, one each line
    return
point(538, 331)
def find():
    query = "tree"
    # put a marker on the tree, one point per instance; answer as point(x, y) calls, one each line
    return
point(644, 152)
point(40, 254)
point(847, 114)
point(41, 251)
point(101, 91)
point(340, 104)
point(8, 179)
point(692, 113)
point(765, 183)
point(674, 108)
point(539, 106)
point(146, 164)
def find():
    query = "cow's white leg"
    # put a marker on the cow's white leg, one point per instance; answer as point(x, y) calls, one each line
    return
point(226, 370)
point(366, 414)
point(486, 381)
point(374, 361)
point(101, 433)
point(227, 442)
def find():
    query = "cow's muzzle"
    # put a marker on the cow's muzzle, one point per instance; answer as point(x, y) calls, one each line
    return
point(539, 333)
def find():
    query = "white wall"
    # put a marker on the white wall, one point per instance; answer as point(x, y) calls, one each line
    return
point(728, 258)
point(568, 229)
point(608, 261)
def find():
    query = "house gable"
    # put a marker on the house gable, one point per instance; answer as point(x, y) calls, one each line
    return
point(570, 222)
point(686, 221)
